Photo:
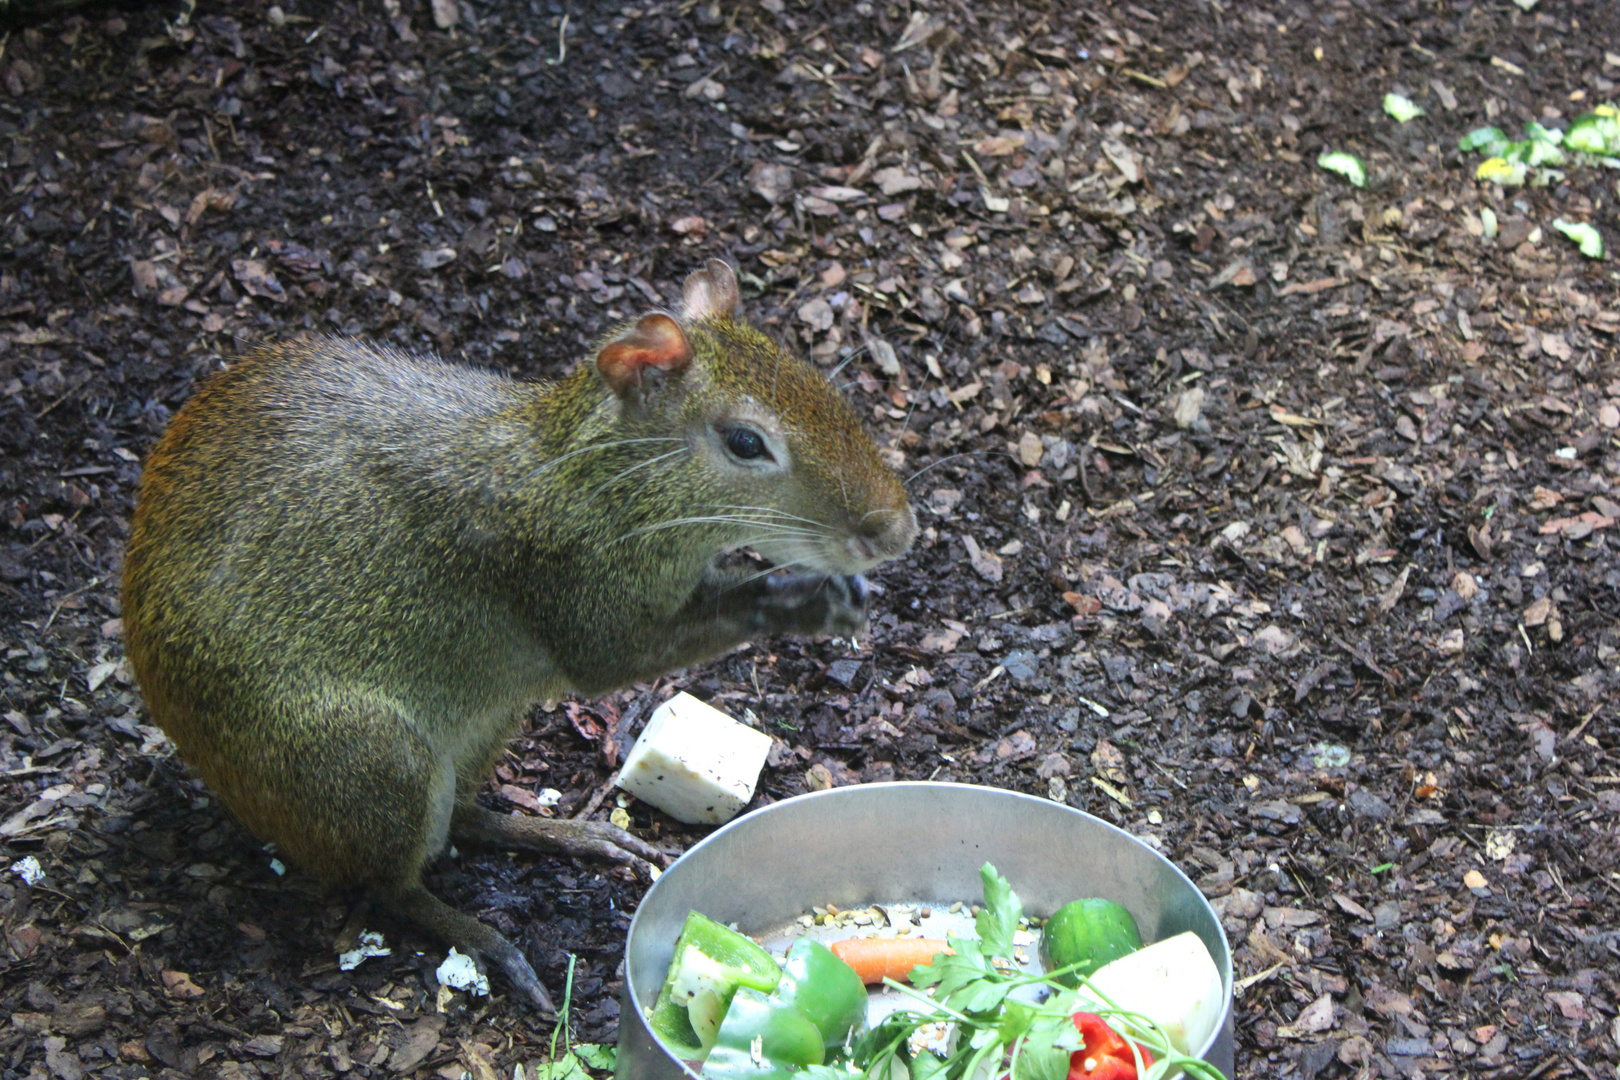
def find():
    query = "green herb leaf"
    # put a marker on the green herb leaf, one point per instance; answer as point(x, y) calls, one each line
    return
point(1015, 1021)
point(997, 921)
point(566, 1067)
point(1048, 1043)
point(886, 1042)
point(597, 1056)
point(951, 972)
point(980, 996)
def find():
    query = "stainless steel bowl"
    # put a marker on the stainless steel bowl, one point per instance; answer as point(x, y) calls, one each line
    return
point(895, 843)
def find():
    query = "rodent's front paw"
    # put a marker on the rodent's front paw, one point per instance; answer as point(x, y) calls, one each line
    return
point(813, 604)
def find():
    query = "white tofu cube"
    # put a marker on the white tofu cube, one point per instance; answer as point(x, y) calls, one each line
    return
point(1173, 981)
point(694, 762)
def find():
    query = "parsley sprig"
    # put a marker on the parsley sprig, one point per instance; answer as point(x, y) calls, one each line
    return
point(996, 1035)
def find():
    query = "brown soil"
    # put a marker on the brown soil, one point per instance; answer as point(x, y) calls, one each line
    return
point(1266, 517)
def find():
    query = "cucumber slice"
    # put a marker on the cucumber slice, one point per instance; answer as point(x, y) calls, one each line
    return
point(1090, 933)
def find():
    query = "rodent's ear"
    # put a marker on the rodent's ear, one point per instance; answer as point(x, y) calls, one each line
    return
point(710, 292)
point(655, 343)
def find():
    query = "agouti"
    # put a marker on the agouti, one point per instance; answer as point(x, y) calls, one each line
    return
point(353, 569)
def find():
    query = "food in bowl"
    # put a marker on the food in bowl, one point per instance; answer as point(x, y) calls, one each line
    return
point(976, 1008)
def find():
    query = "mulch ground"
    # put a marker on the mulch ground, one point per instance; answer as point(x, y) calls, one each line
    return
point(1269, 518)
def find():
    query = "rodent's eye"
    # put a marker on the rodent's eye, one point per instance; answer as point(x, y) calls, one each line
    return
point(746, 444)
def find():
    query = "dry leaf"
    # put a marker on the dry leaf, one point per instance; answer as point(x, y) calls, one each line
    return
point(1576, 528)
point(817, 314)
point(1353, 908)
point(987, 564)
point(433, 258)
point(1239, 273)
point(919, 29)
point(1112, 792)
point(1313, 1019)
point(1537, 613)
point(1108, 762)
point(1283, 416)
point(1310, 286)
point(1274, 639)
point(1082, 604)
point(895, 180)
point(1189, 407)
point(1029, 449)
point(839, 194)
point(1392, 597)
point(445, 14)
point(257, 280)
point(998, 145)
point(1124, 159)
point(179, 985)
point(706, 88)
point(770, 182)
point(1571, 1004)
point(1544, 498)
point(943, 641)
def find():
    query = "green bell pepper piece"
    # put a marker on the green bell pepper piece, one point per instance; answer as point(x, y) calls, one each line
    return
point(711, 961)
point(825, 989)
point(763, 1038)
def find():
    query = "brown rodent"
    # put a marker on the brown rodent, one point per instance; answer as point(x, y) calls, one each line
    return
point(353, 569)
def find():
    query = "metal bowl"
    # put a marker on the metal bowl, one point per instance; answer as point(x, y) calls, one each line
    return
point(901, 842)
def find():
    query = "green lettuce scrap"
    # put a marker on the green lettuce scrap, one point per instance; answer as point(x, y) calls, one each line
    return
point(1401, 108)
point(1588, 238)
point(1346, 165)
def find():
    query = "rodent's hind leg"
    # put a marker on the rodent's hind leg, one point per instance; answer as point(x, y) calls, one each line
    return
point(471, 937)
point(582, 839)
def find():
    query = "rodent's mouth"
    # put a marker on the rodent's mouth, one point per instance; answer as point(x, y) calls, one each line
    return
point(808, 559)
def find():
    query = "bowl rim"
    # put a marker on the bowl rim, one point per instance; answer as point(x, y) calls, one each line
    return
point(1223, 962)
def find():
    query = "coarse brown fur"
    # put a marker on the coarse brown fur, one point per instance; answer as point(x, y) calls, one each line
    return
point(353, 569)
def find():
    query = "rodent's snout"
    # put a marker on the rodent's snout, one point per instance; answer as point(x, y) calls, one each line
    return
point(882, 535)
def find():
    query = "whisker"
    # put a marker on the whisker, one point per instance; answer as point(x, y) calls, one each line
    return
point(951, 457)
point(778, 513)
point(850, 359)
point(911, 408)
point(767, 571)
point(554, 462)
point(774, 528)
point(638, 465)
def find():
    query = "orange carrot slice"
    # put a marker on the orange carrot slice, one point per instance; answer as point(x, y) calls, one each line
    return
point(876, 959)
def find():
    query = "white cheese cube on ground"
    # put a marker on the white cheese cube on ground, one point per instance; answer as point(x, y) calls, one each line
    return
point(694, 762)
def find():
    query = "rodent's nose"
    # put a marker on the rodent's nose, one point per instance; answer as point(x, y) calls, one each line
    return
point(883, 535)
